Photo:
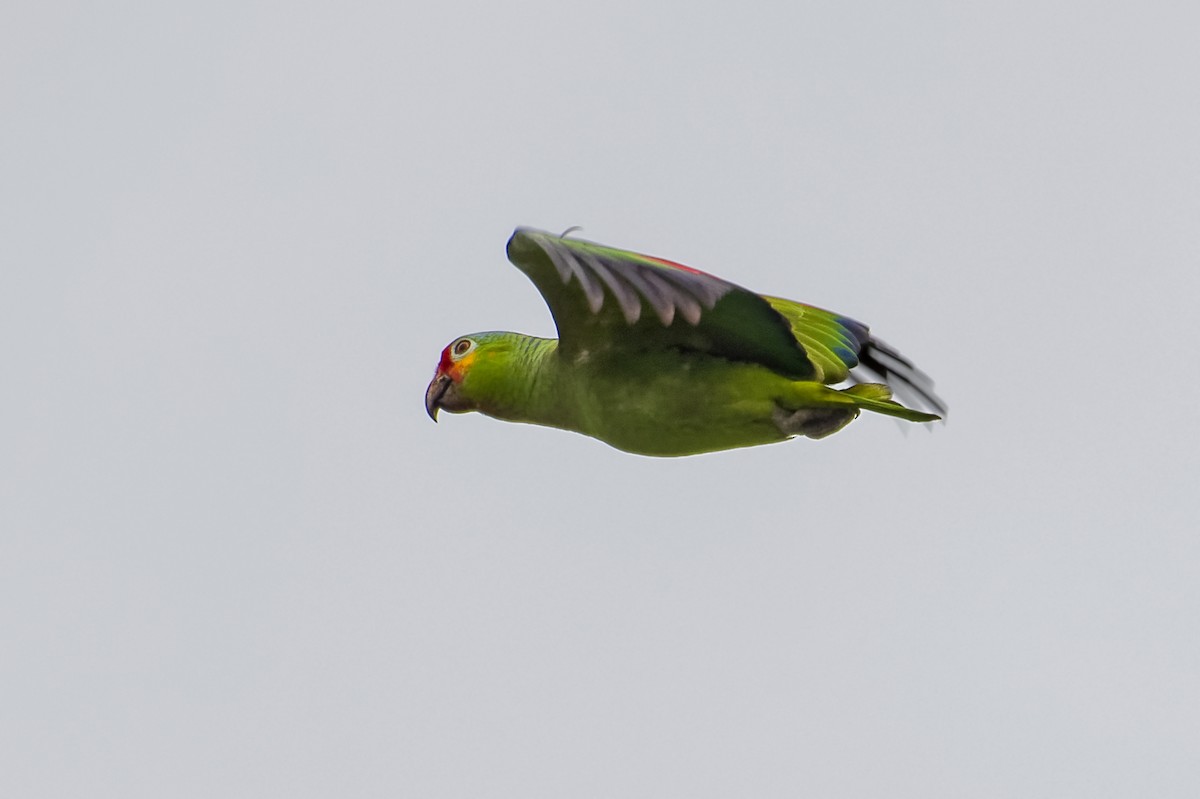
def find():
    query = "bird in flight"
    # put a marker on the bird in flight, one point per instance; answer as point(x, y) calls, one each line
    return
point(656, 358)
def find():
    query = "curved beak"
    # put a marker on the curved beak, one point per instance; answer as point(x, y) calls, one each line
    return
point(433, 394)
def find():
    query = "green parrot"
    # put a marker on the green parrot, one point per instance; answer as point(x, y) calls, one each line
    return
point(657, 358)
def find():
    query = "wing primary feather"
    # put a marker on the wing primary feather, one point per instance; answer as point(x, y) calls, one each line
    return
point(591, 289)
point(683, 301)
point(567, 265)
point(690, 309)
point(705, 290)
point(670, 290)
point(682, 293)
point(660, 296)
point(626, 296)
point(556, 255)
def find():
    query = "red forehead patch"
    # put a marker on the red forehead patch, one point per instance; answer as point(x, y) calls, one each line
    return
point(455, 369)
point(446, 362)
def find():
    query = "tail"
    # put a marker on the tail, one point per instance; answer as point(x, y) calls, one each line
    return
point(815, 410)
point(892, 368)
point(878, 398)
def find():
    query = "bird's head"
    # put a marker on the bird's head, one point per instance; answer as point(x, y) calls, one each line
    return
point(466, 370)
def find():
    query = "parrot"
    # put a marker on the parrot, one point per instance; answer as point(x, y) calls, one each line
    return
point(659, 359)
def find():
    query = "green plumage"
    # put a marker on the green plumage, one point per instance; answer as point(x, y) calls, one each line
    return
point(660, 359)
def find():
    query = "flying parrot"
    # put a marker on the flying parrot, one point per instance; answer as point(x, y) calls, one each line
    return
point(656, 358)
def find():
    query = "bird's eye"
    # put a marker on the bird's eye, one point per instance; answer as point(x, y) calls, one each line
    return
point(462, 347)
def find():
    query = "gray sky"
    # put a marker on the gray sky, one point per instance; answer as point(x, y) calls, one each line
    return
point(238, 560)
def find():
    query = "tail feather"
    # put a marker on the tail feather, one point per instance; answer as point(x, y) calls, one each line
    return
point(816, 410)
point(891, 367)
point(878, 398)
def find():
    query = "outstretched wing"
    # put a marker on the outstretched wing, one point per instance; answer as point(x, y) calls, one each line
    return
point(604, 298)
point(837, 344)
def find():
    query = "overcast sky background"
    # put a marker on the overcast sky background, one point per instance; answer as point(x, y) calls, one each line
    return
point(238, 560)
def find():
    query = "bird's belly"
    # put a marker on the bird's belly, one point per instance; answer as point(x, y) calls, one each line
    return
point(682, 411)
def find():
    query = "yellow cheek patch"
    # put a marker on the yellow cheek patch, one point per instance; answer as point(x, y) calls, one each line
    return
point(460, 367)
